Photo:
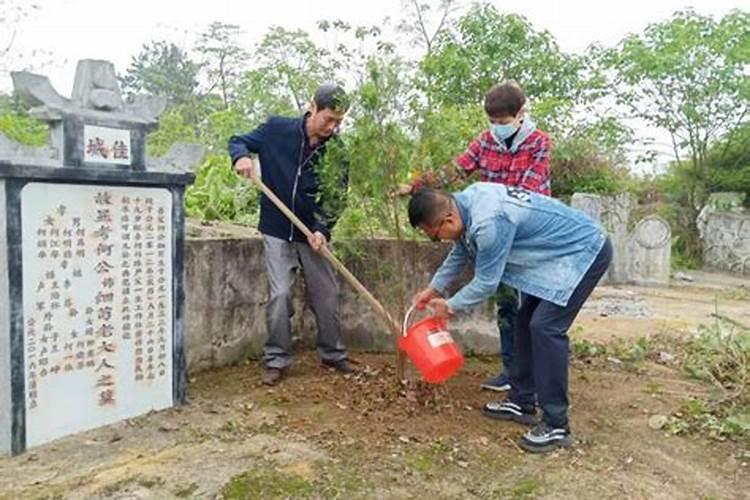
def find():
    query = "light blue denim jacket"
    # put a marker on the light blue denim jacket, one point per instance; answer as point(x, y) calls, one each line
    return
point(531, 242)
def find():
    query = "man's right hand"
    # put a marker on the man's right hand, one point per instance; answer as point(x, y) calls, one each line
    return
point(403, 190)
point(422, 298)
point(247, 167)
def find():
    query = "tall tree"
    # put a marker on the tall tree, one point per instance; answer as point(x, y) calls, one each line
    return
point(223, 58)
point(164, 69)
point(688, 76)
point(425, 21)
point(485, 46)
point(259, 95)
point(291, 60)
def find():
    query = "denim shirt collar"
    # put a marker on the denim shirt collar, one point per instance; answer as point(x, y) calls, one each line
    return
point(463, 209)
point(465, 214)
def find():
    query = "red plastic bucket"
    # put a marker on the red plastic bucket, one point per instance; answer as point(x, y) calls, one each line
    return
point(431, 348)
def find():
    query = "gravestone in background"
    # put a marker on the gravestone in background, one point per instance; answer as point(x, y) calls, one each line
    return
point(612, 212)
point(641, 256)
point(724, 227)
point(650, 252)
point(91, 263)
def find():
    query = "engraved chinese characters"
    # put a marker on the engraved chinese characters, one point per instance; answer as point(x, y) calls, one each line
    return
point(144, 276)
point(97, 303)
point(106, 145)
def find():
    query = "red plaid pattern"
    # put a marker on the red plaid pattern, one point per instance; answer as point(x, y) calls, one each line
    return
point(527, 168)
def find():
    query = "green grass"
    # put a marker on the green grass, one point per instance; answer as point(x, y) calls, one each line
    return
point(267, 483)
point(719, 355)
point(528, 487)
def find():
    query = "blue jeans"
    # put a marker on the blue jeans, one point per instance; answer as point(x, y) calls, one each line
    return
point(541, 356)
point(507, 316)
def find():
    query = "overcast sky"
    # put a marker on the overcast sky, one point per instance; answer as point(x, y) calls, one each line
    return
point(103, 29)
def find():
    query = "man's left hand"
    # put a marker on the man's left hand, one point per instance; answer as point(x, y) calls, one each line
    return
point(317, 241)
point(440, 308)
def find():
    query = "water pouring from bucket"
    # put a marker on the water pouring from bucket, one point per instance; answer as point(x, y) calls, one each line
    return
point(431, 348)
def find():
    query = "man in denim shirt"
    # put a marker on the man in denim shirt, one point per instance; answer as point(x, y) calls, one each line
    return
point(554, 255)
point(513, 152)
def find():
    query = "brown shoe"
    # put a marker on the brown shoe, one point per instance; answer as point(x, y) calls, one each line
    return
point(342, 366)
point(272, 376)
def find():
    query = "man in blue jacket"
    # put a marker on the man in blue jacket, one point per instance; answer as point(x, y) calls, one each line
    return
point(290, 150)
point(554, 255)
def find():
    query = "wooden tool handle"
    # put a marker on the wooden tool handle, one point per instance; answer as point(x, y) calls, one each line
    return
point(353, 281)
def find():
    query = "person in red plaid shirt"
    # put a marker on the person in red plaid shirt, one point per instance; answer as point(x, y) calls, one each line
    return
point(512, 151)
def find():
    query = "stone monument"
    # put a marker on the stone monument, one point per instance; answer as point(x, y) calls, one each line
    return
point(724, 227)
point(91, 263)
point(641, 257)
point(649, 252)
point(613, 212)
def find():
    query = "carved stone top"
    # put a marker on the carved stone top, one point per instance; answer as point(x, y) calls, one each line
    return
point(96, 95)
point(95, 127)
point(653, 232)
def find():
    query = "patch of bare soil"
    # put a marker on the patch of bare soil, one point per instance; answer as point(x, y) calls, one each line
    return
point(634, 312)
point(617, 452)
point(322, 435)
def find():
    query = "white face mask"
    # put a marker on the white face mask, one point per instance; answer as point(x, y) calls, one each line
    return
point(502, 131)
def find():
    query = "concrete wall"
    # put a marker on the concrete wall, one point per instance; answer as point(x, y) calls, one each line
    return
point(227, 291)
point(726, 241)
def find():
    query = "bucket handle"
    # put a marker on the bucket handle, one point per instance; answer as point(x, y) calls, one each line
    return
point(406, 318)
point(409, 312)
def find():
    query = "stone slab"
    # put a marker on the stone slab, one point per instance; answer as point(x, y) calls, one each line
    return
point(97, 305)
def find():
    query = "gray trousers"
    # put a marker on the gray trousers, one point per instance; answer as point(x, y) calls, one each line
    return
point(283, 258)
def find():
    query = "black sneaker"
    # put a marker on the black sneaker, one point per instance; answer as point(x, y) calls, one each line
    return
point(508, 410)
point(341, 366)
point(498, 383)
point(544, 438)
